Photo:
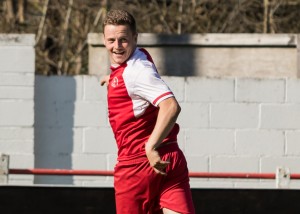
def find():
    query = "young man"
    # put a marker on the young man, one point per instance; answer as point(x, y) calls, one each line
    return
point(151, 175)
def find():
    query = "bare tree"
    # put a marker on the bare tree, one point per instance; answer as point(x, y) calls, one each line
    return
point(14, 10)
point(61, 26)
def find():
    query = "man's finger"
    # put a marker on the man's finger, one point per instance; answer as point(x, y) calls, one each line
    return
point(160, 167)
point(159, 171)
point(163, 163)
point(103, 82)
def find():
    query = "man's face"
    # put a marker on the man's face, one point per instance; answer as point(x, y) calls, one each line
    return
point(120, 42)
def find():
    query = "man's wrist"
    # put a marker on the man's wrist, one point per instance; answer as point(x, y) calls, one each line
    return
point(150, 146)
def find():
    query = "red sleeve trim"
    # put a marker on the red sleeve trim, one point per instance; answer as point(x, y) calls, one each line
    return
point(165, 94)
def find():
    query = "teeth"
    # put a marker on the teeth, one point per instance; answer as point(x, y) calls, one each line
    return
point(118, 52)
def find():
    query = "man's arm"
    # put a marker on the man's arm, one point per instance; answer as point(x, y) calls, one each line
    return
point(169, 110)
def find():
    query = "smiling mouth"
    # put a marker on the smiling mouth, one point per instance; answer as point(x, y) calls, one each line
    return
point(119, 53)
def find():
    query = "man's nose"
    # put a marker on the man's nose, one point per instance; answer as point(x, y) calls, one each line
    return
point(118, 44)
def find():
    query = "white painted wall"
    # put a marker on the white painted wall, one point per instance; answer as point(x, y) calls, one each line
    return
point(227, 125)
point(212, 55)
point(17, 67)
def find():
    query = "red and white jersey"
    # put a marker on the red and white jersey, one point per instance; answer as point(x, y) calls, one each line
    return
point(135, 89)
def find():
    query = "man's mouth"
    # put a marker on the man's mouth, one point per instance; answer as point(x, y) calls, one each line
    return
point(119, 52)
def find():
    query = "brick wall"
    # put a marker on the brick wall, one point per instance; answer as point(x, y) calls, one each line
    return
point(17, 59)
point(212, 55)
point(227, 124)
point(71, 128)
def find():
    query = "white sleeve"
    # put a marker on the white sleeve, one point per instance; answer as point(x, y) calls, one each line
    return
point(150, 86)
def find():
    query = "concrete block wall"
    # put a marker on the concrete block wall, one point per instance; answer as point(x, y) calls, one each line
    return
point(227, 125)
point(17, 67)
point(72, 129)
point(212, 55)
point(239, 124)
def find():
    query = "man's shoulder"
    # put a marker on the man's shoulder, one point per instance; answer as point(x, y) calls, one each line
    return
point(140, 59)
point(146, 55)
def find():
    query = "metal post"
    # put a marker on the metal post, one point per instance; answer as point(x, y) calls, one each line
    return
point(283, 177)
point(4, 163)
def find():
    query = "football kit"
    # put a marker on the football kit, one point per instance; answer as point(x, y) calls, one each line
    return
point(135, 90)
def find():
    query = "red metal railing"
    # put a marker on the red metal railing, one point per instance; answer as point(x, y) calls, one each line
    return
point(110, 173)
point(61, 172)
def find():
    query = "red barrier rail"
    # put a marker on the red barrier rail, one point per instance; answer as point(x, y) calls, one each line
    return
point(232, 175)
point(60, 172)
point(110, 173)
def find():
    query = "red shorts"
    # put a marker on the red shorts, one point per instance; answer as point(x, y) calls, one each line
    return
point(140, 190)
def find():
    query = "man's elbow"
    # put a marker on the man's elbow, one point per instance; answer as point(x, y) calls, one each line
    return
point(177, 109)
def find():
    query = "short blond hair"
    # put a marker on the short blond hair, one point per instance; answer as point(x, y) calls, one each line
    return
point(119, 17)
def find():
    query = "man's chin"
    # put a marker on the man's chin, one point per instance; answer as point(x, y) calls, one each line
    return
point(119, 61)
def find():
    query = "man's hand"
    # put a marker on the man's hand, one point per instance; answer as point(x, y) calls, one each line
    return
point(167, 115)
point(104, 80)
point(157, 164)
